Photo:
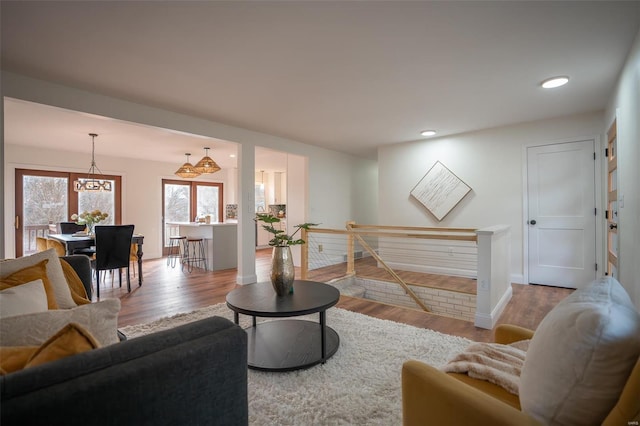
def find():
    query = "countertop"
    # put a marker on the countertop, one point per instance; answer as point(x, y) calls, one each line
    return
point(196, 224)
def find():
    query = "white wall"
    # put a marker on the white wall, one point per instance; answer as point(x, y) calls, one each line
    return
point(490, 161)
point(624, 106)
point(365, 193)
point(330, 174)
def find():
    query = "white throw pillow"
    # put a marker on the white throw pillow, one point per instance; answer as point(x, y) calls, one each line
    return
point(100, 319)
point(581, 356)
point(23, 299)
point(54, 272)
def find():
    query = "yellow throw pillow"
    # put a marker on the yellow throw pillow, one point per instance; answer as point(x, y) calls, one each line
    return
point(32, 273)
point(71, 340)
point(14, 358)
point(78, 292)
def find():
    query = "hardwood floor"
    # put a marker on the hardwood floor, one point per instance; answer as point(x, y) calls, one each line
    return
point(168, 291)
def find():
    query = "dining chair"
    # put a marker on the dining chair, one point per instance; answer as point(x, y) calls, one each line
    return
point(70, 227)
point(113, 251)
point(57, 246)
point(133, 257)
point(41, 244)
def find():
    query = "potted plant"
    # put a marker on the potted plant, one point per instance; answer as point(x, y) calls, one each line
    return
point(282, 269)
point(89, 219)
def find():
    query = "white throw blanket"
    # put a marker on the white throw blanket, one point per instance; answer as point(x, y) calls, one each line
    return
point(493, 362)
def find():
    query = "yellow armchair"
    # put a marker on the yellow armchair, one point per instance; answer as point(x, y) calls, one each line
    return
point(431, 397)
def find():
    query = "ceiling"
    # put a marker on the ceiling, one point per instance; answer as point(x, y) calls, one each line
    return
point(345, 75)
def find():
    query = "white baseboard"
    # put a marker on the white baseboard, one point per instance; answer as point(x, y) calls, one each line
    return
point(488, 321)
point(517, 278)
point(246, 279)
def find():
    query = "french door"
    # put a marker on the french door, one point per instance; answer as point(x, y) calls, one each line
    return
point(185, 201)
point(45, 198)
point(612, 202)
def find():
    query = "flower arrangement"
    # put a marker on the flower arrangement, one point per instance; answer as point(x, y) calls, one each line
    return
point(280, 238)
point(89, 218)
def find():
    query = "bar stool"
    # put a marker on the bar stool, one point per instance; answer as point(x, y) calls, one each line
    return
point(175, 252)
point(195, 253)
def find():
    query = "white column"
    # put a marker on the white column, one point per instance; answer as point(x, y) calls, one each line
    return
point(246, 215)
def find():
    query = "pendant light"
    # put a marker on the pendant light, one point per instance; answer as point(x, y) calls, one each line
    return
point(206, 164)
point(91, 183)
point(187, 170)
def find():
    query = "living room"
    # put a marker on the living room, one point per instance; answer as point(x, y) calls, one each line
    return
point(341, 185)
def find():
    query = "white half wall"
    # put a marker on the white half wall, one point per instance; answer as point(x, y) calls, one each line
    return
point(489, 161)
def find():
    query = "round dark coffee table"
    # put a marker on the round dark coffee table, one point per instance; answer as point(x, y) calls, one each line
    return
point(291, 344)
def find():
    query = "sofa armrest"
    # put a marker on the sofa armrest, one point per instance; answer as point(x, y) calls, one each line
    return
point(507, 333)
point(192, 374)
point(82, 265)
point(430, 396)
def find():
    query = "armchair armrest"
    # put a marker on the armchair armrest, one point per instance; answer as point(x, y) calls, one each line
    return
point(430, 396)
point(507, 333)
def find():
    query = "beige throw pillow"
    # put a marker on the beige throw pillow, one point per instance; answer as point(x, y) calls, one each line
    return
point(54, 272)
point(581, 356)
point(23, 299)
point(100, 319)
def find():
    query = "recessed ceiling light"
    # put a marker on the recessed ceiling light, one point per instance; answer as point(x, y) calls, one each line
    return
point(554, 82)
point(428, 132)
point(232, 155)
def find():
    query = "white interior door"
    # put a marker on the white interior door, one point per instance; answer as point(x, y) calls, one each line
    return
point(561, 213)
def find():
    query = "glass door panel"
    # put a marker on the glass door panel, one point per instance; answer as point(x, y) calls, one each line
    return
point(177, 207)
point(44, 201)
point(208, 201)
point(104, 201)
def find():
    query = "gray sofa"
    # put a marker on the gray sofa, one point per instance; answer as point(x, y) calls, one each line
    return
point(195, 374)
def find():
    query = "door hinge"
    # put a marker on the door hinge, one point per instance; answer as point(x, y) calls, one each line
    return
point(595, 211)
point(606, 152)
point(594, 156)
point(606, 214)
point(596, 266)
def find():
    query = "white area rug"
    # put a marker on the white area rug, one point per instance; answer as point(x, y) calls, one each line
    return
point(359, 385)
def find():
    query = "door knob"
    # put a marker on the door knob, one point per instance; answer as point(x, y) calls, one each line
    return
point(613, 226)
point(532, 222)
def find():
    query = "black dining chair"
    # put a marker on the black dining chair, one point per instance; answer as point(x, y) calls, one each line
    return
point(70, 227)
point(113, 249)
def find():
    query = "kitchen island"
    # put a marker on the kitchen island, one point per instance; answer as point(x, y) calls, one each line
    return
point(221, 239)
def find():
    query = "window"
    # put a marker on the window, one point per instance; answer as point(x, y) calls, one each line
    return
point(47, 197)
point(185, 201)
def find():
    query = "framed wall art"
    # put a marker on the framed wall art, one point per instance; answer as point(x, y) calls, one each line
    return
point(440, 190)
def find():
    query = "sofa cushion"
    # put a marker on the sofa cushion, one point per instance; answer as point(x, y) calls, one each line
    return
point(54, 273)
point(72, 339)
point(581, 355)
point(100, 319)
point(29, 274)
point(23, 299)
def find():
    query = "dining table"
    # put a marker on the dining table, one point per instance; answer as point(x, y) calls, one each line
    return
point(73, 242)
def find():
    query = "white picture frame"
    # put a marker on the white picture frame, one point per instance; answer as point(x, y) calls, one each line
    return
point(440, 190)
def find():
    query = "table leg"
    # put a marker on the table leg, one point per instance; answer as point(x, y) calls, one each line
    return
point(139, 254)
point(254, 321)
point(323, 335)
point(236, 318)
